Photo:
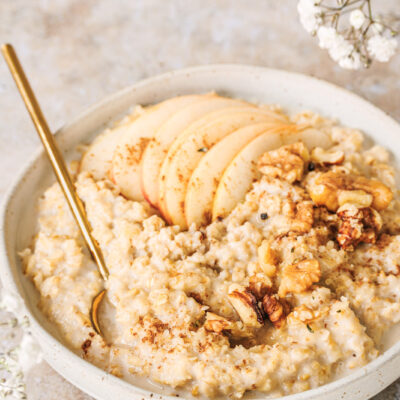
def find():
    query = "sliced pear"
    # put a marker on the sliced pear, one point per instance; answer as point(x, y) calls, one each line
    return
point(157, 149)
point(311, 137)
point(196, 126)
point(238, 177)
point(273, 115)
point(97, 158)
point(204, 181)
point(199, 126)
point(125, 167)
point(192, 150)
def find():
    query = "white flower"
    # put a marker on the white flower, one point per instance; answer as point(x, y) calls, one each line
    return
point(341, 48)
point(357, 19)
point(376, 27)
point(12, 302)
point(327, 37)
point(381, 48)
point(309, 14)
point(351, 62)
point(30, 352)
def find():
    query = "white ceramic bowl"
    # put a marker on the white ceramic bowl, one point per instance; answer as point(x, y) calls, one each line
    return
point(293, 92)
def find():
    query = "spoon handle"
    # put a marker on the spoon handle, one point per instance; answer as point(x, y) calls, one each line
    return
point(54, 155)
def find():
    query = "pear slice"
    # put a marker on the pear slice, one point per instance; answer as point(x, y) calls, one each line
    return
point(125, 166)
point(204, 181)
point(97, 158)
point(191, 151)
point(238, 177)
point(273, 115)
point(198, 126)
point(311, 138)
point(157, 149)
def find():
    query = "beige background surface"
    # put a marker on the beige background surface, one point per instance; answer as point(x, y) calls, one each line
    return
point(77, 51)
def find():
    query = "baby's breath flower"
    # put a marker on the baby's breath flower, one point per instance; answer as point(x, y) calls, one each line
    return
point(309, 14)
point(19, 359)
point(377, 27)
point(357, 19)
point(30, 352)
point(341, 48)
point(353, 61)
point(327, 37)
point(381, 48)
point(11, 302)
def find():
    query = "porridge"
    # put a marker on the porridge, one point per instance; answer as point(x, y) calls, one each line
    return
point(247, 250)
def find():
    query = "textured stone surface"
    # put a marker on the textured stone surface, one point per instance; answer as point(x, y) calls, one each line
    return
point(76, 52)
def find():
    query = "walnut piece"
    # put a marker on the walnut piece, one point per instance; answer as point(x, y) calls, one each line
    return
point(259, 285)
point(299, 277)
point(216, 323)
point(245, 304)
point(275, 309)
point(326, 188)
point(357, 197)
point(286, 163)
point(357, 225)
point(304, 217)
point(326, 157)
point(267, 258)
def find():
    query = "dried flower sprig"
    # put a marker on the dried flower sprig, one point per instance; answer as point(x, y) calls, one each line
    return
point(17, 358)
point(353, 35)
point(12, 378)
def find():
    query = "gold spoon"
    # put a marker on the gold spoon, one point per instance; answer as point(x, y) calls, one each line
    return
point(60, 169)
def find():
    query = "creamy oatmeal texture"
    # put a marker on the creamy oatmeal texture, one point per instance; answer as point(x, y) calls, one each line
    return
point(291, 288)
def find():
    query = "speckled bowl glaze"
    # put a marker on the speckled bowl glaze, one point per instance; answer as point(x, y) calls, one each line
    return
point(293, 92)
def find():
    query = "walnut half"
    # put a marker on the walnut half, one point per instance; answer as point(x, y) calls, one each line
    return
point(245, 304)
point(326, 157)
point(327, 188)
point(286, 163)
point(259, 285)
point(275, 309)
point(357, 225)
point(267, 258)
point(216, 323)
point(304, 217)
point(220, 325)
point(299, 277)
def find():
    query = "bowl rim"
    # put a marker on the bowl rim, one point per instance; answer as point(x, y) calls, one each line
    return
point(12, 286)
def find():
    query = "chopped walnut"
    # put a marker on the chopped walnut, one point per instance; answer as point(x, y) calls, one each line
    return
point(299, 277)
point(357, 197)
point(326, 157)
point(245, 304)
point(259, 285)
point(300, 215)
point(326, 188)
point(275, 309)
point(216, 323)
point(321, 214)
point(267, 259)
point(287, 162)
point(357, 225)
point(304, 217)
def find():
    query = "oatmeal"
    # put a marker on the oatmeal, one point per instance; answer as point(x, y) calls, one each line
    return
point(291, 288)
